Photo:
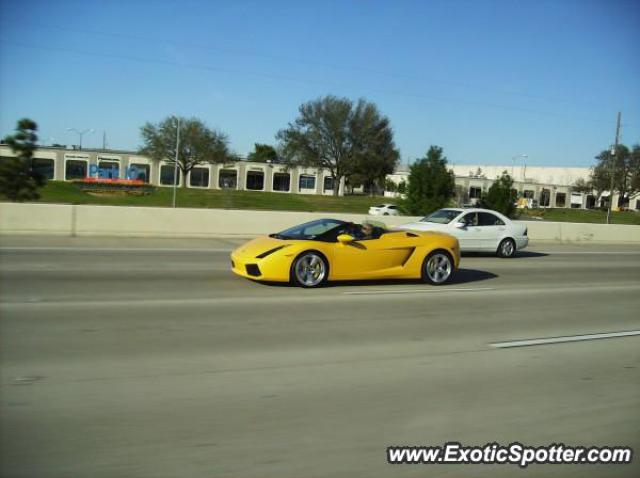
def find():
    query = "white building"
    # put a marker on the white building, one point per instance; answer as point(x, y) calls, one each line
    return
point(62, 164)
point(548, 186)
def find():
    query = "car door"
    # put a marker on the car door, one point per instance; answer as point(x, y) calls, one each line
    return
point(392, 210)
point(492, 228)
point(370, 258)
point(469, 236)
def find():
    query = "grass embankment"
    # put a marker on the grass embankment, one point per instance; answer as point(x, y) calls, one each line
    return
point(68, 193)
point(581, 215)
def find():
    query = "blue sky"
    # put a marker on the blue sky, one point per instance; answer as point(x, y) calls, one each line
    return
point(486, 80)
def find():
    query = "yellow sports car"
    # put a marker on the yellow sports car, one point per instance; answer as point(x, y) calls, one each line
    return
point(312, 253)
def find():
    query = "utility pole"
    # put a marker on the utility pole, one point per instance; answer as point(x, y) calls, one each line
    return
point(175, 169)
point(104, 140)
point(614, 149)
point(513, 164)
point(81, 133)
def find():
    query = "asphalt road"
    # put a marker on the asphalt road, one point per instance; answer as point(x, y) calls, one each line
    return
point(148, 358)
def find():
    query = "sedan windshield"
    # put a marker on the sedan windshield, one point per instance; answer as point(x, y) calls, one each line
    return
point(309, 230)
point(442, 216)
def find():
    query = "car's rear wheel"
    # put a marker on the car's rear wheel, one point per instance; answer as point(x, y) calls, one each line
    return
point(310, 269)
point(437, 268)
point(507, 248)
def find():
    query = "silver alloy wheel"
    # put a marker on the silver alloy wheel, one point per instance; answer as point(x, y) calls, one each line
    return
point(507, 248)
point(438, 268)
point(310, 269)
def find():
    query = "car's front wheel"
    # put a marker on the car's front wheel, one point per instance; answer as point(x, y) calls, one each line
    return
point(310, 269)
point(437, 268)
point(507, 248)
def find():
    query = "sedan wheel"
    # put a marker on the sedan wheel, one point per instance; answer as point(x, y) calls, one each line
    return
point(437, 268)
point(507, 248)
point(309, 270)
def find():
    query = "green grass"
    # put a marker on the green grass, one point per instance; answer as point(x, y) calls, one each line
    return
point(581, 215)
point(68, 193)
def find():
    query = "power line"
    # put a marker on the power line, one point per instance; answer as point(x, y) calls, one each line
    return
point(293, 79)
point(270, 56)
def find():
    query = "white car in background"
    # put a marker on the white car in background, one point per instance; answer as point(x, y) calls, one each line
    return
point(477, 230)
point(384, 210)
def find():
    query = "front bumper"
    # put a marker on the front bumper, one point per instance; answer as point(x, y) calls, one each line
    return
point(260, 269)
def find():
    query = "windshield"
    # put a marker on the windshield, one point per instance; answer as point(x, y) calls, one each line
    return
point(442, 216)
point(308, 230)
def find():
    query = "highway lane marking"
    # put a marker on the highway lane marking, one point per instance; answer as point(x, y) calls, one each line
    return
point(409, 291)
point(172, 249)
point(563, 339)
point(300, 296)
point(39, 302)
point(614, 253)
point(111, 249)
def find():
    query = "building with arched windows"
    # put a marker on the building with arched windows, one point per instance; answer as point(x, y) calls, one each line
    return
point(62, 164)
point(541, 186)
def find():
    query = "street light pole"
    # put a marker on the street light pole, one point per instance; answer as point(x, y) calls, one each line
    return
point(612, 168)
point(175, 168)
point(513, 164)
point(81, 133)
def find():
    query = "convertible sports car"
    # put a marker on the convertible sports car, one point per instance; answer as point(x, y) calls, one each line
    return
point(312, 253)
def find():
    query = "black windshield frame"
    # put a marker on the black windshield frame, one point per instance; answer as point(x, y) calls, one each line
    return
point(328, 235)
point(331, 235)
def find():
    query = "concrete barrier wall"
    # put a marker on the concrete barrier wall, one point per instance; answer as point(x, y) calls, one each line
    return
point(58, 219)
point(582, 233)
point(164, 222)
point(50, 219)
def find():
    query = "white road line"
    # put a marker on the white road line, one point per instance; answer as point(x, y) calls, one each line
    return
point(410, 291)
point(614, 253)
point(305, 297)
point(113, 249)
point(229, 249)
point(563, 339)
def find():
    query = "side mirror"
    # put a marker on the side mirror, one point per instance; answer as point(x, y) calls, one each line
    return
point(460, 225)
point(345, 238)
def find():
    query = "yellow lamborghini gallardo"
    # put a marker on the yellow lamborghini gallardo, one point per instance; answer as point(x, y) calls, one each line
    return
point(312, 253)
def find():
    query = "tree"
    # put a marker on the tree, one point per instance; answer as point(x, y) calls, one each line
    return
point(390, 186)
point(500, 196)
point(462, 195)
point(263, 153)
point(198, 143)
point(377, 155)
point(635, 168)
point(624, 166)
point(344, 137)
point(18, 180)
point(431, 185)
point(582, 186)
